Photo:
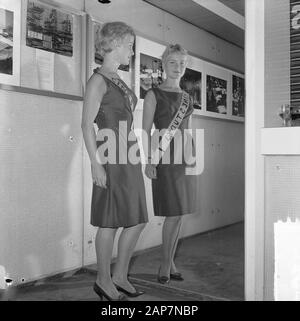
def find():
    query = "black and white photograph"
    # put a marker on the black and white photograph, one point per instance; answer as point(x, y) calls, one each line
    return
point(6, 41)
point(191, 82)
point(149, 152)
point(48, 28)
point(150, 73)
point(216, 95)
point(238, 96)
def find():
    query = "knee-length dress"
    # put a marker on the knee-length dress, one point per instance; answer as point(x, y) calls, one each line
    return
point(174, 193)
point(123, 202)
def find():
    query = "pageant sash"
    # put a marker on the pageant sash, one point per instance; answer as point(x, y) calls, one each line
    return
point(125, 90)
point(118, 82)
point(171, 130)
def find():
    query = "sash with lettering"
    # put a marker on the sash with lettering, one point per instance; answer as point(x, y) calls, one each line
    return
point(121, 85)
point(171, 130)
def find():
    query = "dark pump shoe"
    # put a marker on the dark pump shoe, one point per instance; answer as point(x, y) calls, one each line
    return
point(176, 276)
point(101, 293)
point(130, 294)
point(162, 279)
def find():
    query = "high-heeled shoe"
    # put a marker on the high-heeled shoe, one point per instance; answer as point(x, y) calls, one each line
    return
point(130, 294)
point(162, 279)
point(177, 276)
point(101, 293)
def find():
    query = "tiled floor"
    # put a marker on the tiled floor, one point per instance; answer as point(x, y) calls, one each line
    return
point(212, 265)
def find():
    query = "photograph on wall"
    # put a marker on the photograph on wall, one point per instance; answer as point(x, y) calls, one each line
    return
point(98, 57)
point(6, 41)
point(216, 95)
point(49, 29)
point(191, 83)
point(150, 73)
point(238, 96)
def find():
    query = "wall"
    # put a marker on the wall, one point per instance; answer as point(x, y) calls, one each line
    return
point(41, 182)
point(41, 185)
point(46, 170)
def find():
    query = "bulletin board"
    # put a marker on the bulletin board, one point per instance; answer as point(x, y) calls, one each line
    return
point(44, 43)
point(51, 47)
point(10, 33)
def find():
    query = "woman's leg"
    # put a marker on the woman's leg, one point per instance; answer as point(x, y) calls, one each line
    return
point(104, 245)
point(127, 242)
point(173, 266)
point(170, 234)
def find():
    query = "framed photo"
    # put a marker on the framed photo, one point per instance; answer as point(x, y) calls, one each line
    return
point(216, 95)
point(52, 46)
point(147, 66)
point(10, 34)
point(191, 82)
point(49, 28)
point(238, 96)
point(150, 73)
point(95, 59)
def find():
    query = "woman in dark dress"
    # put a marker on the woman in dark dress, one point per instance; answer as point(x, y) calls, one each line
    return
point(174, 192)
point(118, 197)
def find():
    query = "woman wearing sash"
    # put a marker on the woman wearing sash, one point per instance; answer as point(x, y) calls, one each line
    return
point(174, 192)
point(118, 196)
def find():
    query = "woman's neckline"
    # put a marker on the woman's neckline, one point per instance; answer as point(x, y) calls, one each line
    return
point(108, 74)
point(110, 78)
point(170, 91)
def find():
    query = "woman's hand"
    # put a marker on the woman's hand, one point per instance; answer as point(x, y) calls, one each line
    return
point(99, 175)
point(150, 171)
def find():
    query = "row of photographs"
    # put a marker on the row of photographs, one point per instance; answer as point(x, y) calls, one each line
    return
point(151, 75)
point(213, 89)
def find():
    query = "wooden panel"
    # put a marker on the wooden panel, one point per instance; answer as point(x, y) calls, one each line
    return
point(41, 185)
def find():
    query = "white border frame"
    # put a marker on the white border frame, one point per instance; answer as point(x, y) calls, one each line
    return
point(243, 77)
point(126, 76)
point(254, 160)
point(15, 7)
point(79, 47)
point(197, 65)
point(147, 47)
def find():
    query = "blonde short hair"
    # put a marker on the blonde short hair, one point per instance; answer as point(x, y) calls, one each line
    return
point(173, 49)
point(111, 31)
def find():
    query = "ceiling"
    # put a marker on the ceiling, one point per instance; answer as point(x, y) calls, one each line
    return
point(223, 18)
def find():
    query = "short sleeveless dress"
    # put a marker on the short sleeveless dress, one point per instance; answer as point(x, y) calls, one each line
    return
point(123, 202)
point(174, 192)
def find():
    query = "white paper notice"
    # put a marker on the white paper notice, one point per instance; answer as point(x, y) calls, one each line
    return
point(45, 69)
point(287, 261)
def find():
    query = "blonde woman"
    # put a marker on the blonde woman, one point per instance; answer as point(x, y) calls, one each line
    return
point(118, 197)
point(174, 193)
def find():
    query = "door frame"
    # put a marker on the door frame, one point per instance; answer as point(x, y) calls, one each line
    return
point(254, 160)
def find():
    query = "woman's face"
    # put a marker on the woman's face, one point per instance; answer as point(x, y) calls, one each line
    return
point(124, 49)
point(175, 65)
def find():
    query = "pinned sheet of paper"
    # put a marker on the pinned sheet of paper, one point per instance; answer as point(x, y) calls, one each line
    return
point(287, 260)
point(45, 69)
point(3, 284)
